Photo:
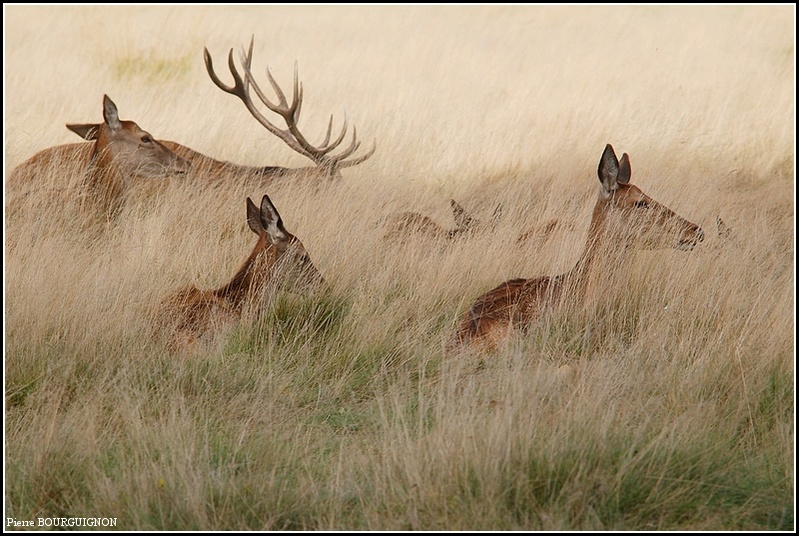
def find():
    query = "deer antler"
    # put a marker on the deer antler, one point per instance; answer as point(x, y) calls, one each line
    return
point(322, 154)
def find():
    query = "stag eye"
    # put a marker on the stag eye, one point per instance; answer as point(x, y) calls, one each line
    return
point(146, 139)
point(642, 204)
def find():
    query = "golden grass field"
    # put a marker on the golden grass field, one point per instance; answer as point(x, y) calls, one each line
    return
point(341, 409)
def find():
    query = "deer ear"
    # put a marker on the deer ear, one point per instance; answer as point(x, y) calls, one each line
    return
point(625, 171)
point(254, 218)
point(110, 114)
point(463, 220)
point(608, 170)
point(87, 131)
point(271, 221)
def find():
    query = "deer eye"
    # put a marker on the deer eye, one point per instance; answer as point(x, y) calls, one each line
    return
point(146, 139)
point(642, 204)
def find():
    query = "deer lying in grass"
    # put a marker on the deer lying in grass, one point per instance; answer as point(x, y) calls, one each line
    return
point(121, 154)
point(623, 216)
point(327, 165)
point(278, 260)
point(401, 225)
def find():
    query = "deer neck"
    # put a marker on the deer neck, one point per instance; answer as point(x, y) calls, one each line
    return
point(252, 275)
point(580, 276)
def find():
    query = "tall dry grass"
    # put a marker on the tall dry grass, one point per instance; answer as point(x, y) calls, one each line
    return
point(340, 409)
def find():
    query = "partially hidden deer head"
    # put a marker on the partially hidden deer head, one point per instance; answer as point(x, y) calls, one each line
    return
point(404, 226)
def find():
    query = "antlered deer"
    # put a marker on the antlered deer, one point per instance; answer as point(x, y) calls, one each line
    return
point(402, 224)
point(327, 166)
point(278, 260)
point(623, 216)
point(121, 153)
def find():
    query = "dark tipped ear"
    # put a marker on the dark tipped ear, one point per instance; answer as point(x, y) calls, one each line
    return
point(722, 229)
point(110, 114)
point(608, 170)
point(87, 131)
point(254, 218)
point(625, 171)
point(272, 222)
point(462, 218)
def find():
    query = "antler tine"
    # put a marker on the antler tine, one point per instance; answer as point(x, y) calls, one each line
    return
point(339, 161)
point(344, 128)
point(282, 108)
point(362, 158)
point(247, 59)
point(241, 89)
point(329, 131)
point(238, 88)
point(289, 112)
point(340, 158)
point(326, 146)
point(297, 97)
point(354, 144)
point(298, 94)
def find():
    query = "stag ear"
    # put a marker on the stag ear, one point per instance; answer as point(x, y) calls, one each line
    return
point(272, 223)
point(110, 114)
point(87, 131)
point(608, 171)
